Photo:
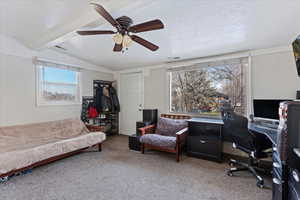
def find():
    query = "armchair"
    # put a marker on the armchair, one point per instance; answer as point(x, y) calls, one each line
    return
point(168, 135)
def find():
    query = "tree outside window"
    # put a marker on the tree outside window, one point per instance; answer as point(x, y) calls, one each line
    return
point(200, 90)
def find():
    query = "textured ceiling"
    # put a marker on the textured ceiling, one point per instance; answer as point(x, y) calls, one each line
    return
point(193, 28)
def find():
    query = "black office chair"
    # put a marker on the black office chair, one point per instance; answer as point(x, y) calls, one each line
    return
point(252, 144)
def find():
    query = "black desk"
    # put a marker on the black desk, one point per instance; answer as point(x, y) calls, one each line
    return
point(205, 137)
point(269, 132)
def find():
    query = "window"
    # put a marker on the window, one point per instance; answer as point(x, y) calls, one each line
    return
point(198, 89)
point(57, 84)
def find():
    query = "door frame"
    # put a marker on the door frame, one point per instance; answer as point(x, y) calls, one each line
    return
point(118, 77)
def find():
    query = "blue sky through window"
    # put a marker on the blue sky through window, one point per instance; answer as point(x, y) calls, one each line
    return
point(52, 74)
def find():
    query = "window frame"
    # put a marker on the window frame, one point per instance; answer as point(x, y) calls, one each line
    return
point(188, 67)
point(39, 85)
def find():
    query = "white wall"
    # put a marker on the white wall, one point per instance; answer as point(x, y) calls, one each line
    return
point(156, 90)
point(17, 87)
point(1, 90)
point(275, 76)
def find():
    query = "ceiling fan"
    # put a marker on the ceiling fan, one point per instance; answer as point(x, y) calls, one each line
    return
point(123, 37)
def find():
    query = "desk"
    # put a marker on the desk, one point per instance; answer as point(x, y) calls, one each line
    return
point(269, 132)
point(205, 139)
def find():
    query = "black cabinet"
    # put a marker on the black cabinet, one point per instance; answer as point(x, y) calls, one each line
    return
point(286, 185)
point(280, 177)
point(205, 138)
point(294, 184)
point(294, 176)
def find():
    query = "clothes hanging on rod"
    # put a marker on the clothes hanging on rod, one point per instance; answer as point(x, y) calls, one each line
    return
point(106, 98)
point(104, 104)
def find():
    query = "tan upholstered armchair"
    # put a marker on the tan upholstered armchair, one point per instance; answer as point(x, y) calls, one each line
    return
point(168, 135)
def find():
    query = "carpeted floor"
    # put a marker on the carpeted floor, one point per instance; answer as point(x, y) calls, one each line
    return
point(120, 174)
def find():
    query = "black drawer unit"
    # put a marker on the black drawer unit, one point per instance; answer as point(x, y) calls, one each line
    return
point(294, 184)
point(280, 177)
point(294, 175)
point(205, 138)
point(277, 165)
point(277, 185)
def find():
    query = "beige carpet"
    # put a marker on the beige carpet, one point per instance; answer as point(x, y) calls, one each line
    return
point(120, 174)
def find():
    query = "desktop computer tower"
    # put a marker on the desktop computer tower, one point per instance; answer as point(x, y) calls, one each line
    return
point(298, 95)
point(150, 115)
point(141, 125)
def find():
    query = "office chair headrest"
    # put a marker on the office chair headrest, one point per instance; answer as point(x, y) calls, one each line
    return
point(225, 106)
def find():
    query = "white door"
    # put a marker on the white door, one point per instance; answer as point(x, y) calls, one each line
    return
point(131, 98)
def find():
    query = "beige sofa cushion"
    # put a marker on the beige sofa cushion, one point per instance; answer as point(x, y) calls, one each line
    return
point(21, 146)
point(31, 135)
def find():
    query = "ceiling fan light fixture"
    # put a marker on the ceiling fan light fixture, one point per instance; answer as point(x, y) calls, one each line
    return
point(118, 38)
point(123, 37)
point(127, 41)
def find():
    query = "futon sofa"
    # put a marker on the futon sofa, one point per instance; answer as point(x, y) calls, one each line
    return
point(26, 146)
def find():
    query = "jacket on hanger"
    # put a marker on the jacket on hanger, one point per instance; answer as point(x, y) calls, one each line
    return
point(99, 99)
point(103, 100)
point(114, 99)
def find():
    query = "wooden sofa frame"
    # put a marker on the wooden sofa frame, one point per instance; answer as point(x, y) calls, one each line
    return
point(48, 160)
point(180, 136)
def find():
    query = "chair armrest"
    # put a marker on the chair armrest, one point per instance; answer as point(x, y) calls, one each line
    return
point(181, 135)
point(147, 129)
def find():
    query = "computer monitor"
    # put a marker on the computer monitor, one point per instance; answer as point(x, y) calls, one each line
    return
point(267, 108)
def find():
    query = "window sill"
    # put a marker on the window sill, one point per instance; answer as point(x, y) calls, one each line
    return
point(197, 115)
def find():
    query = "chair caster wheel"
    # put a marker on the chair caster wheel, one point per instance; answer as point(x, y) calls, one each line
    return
point(229, 173)
point(231, 162)
point(260, 184)
point(4, 179)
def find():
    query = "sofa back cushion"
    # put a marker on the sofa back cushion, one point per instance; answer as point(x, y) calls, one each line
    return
point(169, 127)
point(27, 136)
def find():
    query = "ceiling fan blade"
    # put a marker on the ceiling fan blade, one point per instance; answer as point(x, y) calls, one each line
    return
point(106, 15)
point(144, 43)
point(147, 26)
point(95, 32)
point(118, 47)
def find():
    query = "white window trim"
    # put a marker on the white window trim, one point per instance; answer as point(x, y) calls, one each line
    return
point(249, 108)
point(40, 103)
